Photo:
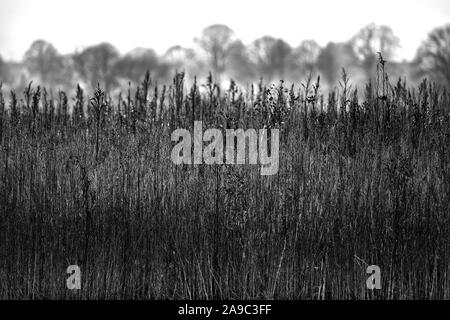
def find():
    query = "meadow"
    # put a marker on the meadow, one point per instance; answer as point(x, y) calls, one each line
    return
point(364, 179)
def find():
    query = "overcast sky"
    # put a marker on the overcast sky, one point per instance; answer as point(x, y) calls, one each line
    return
point(127, 24)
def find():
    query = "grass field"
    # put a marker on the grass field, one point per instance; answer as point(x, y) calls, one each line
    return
point(364, 179)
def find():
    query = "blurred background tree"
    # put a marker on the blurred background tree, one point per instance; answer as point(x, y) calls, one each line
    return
point(433, 56)
point(333, 58)
point(3, 71)
point(370, 40)
point(44, 62)
point(96, 64)
point(303, 60)
point(270, 57)
point(217, 41)
point(240, 67)
point(178, 58)
point(133, 65)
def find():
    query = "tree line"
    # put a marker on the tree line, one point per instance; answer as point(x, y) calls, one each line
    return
point(219, 50)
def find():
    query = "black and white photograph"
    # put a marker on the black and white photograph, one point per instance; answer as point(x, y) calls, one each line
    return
point(249, 151)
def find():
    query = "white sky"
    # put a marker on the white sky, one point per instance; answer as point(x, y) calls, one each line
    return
point(128, 24)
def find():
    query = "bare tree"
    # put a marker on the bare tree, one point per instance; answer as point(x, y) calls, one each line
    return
point(240, 66)
point(135, 63)
point(303, 59)
point(44, 61)
point(270, 56)
point(3, 73)
point(333, 58)
point(433, 56)
point(95, 64)
point(217, 41)
point(370, 40)
point(177, 56)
